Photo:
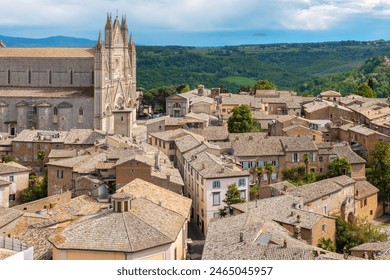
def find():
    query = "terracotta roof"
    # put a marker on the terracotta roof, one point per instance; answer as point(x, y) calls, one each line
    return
point(32, 92)
point(158, 195)
point(213, 133)
point(210, 166)
point(281, 209)
point(7, 215)
point(145, 225)
point(297, 144)
point(12, 167)
point(83, 136)
point(261, 147)
point(33, 135)
point(330, 93)
point(365, 189)
point(317, 190)
point(48, 52)
point(170, 135)
point(262, 239)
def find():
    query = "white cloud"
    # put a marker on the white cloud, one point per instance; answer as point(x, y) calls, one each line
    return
point(190, 15)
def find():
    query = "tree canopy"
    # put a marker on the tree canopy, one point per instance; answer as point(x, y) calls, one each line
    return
point(365, 91)
point(349, 235)
point(241, 120)
point(264, 84)
point(339, 166)
point(378, 173)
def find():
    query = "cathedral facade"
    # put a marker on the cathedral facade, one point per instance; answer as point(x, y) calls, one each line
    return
point(64, 88)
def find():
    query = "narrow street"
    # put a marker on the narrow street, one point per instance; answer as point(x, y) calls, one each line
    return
point(195, 249)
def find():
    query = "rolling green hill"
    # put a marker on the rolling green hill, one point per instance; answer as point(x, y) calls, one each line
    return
point(297, 67)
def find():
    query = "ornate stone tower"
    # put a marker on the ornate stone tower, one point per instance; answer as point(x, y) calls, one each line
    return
point(115, 79)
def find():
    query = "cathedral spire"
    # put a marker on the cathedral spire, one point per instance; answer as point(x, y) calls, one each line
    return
point(99, 41)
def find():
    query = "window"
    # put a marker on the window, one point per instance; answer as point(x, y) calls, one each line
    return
point(295, 157)
point(155, 141)
point(121, 119)
point(17, 144)
point(312, 156)
point(12, 178)
point(202, 194)
point(172, 158)
point(29, 76)
point(371, 212)
point(159, 142)
point(275, 163)
point(265, 177)
point(49, 77)
point(81, 111)
point(71, 77)
point(12, 197)
point(55, 111)
point(312, 170)
point(274, 176)
point(323, 227)
point(216, 215)
point(321, 170)
point(261, 163)
point(241, 182)
point(172, 145)
point(325, 210)
point(60, 174)
point(25, 158)
point(320, 158)
point(9, 76)
point(163, 144)
point(216, 184)
point(216, 198)
point(243, 194)
point(92, 77)
point(365, 202)
point(245, 165)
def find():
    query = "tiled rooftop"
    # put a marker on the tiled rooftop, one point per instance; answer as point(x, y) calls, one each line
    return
point(365, 188)
point(253, 227)
point(167, 199)
point(83, 136)
point(32, 135)
point(281, 209)
point(7, 215)
point(48, 52)
point(32, 92)
point(145, 225)
point(12, 167)
point(210, 166)
point(317, 190)
point(261, 147)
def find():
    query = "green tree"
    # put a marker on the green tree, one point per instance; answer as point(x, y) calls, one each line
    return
point(264, 84)
point(241, 120)
point(326, 244)
point(379, 172)
point(257, 172)
point(232, 196)
point(365, 91)
point(269, 168)
point(339, 166)
point(41, 157)
point(8, 158)
point(183, 88)
point(350, 235)
point(294, 175)
point(306, 160)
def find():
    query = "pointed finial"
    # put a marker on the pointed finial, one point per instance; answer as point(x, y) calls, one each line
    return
point(131, 38)
point(99, 41)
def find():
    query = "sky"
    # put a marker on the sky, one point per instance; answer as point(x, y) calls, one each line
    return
point(202, 22)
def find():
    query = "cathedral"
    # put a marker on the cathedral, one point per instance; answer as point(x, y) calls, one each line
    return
point(65, 88)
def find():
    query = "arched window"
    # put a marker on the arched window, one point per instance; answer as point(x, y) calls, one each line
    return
point(71, 77)
point(55, 111)
point(50, 77)
point(9, 76)
point(176, 105)
point(81, 111)
point(29, 76)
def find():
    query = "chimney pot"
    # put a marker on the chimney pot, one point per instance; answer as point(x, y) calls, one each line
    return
point(241, 237)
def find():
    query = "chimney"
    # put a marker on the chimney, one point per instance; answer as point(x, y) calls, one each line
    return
point(297, 232)
point(241, 237)
point(157, 160)
point(284, 243)
point(298, 219)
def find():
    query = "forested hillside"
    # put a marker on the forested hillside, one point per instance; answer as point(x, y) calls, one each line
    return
point(307, 68)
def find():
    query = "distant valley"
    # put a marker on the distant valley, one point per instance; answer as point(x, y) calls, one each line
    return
point(307, 68)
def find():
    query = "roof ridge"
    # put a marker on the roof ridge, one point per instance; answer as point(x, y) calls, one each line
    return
point(127, 231)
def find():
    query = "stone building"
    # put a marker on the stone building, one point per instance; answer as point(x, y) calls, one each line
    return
point(65, 88)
